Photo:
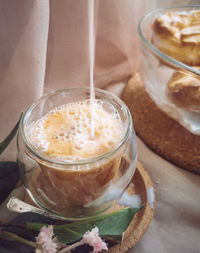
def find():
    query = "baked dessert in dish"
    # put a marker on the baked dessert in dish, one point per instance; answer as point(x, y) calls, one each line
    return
point(177, 34)
point(165, 98)
point(183, 89)
point(160, 132)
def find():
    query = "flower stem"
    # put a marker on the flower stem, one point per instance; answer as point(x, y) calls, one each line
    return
point(74, 245)
point(13, 237)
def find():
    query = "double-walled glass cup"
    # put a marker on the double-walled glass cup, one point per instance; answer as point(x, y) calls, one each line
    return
point(76, 189)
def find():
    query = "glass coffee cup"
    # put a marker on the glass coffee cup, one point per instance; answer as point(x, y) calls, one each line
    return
point(77, 188)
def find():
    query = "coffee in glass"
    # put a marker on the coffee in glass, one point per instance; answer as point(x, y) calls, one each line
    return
point(67, 170)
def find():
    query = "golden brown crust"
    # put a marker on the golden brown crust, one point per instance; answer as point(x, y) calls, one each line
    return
point(183, 90)
point(160, 132)
point(177, 34)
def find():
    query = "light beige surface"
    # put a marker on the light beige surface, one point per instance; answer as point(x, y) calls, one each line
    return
point(176, 224)
point(24, 32)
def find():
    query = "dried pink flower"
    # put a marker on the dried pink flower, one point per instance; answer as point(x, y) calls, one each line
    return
point(93, 239)
point(47, 243)
point(45, 240)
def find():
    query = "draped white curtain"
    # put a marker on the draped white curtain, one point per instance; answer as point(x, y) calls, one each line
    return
point(23, 45)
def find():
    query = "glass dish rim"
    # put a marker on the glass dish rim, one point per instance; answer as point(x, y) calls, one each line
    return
point(154, 49)
point(56, 163)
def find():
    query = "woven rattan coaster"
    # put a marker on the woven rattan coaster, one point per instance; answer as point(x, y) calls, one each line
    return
point(141, 185)
point(161, 133)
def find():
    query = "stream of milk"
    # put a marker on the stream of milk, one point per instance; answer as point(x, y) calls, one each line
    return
point(91, 6)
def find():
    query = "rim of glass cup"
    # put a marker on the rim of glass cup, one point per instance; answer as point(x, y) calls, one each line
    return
point(154, 49)
point(48, 160)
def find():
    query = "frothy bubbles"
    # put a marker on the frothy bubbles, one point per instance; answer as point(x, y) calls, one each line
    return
point(65, 132)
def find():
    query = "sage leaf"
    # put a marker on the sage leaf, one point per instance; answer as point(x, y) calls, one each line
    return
point(111, 225)
point(8, 139)
point(35, 218)
point(9, 176)
point(27, 225)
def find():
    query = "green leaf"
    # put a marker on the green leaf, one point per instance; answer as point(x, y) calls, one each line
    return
point(110, 225)
point(35, 226)
point(8, 139)
point(9, 176)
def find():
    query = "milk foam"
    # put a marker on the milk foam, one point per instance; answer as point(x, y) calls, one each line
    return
point(65, 132)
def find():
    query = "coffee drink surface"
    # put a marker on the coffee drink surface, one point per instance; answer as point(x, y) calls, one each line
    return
point(65, 132)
